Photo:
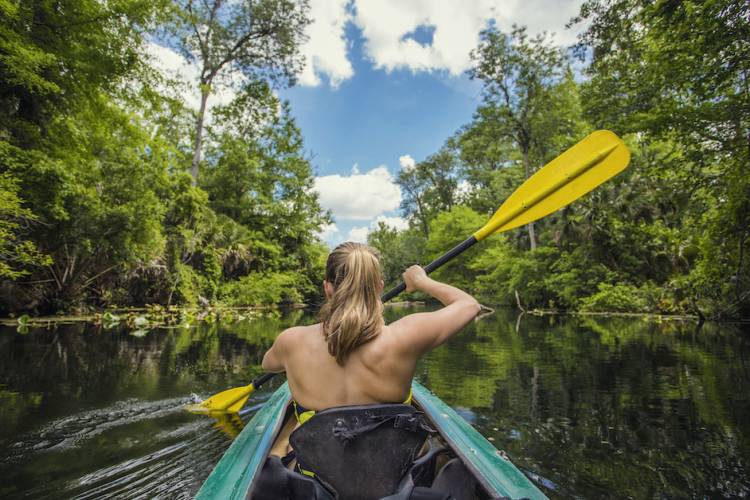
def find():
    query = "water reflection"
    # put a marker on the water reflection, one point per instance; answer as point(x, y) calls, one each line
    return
point(608, 407)
point(587, 406)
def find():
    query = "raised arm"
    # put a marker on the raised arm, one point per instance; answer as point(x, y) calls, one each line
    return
point(423, 332)
point(273, 360)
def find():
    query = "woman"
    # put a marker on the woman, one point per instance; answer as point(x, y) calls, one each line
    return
point(352, 357)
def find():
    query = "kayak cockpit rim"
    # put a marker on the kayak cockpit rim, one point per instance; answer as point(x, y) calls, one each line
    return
point(237, 472)
point(278, 425)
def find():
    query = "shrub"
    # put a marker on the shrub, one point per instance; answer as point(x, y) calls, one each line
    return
point(262, 288)
point(615, 298)
point(188, 285)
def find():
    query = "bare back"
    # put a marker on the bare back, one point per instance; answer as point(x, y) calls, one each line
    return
point(379, 371)
point(375, 372)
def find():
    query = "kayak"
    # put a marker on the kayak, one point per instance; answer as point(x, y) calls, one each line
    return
point(494, 475)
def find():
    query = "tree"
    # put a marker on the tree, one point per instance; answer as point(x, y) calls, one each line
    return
point(77, 159)
point(96, 207)
point(430, 187)
point(54, 53)
point(98, 197)
point(680, 71)
point(398, 250)
point(257, 38)
point(518, 106)
point(257, 175)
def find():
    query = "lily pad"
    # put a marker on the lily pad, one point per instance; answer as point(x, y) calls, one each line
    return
point(140, 321)
point(110, 320)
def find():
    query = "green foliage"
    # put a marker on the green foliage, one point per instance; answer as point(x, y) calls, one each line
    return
point(262, 180)
point(619, 298)
point(98, 207)
point(672, 233)
point(262, 288)
point(54, 54)
point(398, 250)
point(430, 187)
point(187, 285)
point(447, 230)
point(530, 109)
point(508, 271)
point(259, 38)
point(574, 275)
point(16, 253)
point(678, 71)
point(211, 267)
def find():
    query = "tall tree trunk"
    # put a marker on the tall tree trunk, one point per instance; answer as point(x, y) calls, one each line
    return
point(530, 225)
point(199, 133)
point(422, 217)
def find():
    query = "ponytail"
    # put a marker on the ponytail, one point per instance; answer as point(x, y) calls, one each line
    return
point(354, 314)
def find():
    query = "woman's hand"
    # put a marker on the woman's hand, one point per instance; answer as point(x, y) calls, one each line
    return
point(412, 277)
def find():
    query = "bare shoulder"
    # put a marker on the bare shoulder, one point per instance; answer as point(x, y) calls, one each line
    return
point(399, 333)
point(296, 331)
point(294, 334)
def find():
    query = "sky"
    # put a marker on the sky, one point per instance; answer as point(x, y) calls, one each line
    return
point(384, 86)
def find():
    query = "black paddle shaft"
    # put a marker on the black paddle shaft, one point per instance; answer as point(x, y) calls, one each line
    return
point(435, 264)
point(263, 379)
point(432, 266)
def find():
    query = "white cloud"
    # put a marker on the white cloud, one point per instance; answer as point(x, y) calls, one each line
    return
point(387, 24)
point(407, 162)
point(355, 198)
point(175, 67)
point(358, 234)
point(398, 223)
point(359, 196)
point(464, 187)
point(325, 50)
point(328, 231)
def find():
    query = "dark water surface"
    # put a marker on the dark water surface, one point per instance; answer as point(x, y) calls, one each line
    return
point(587, 407)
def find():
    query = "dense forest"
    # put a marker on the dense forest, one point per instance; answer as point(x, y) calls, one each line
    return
point(114, 192)
point(669, 235)
point(106, 197)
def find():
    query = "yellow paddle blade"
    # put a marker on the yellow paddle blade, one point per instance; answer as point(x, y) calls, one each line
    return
point(229, 401)
point(598, 157)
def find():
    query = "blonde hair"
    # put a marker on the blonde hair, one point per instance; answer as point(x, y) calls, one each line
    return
point(354, 314)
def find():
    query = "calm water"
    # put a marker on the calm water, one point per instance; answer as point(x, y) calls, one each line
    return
point(587, 407)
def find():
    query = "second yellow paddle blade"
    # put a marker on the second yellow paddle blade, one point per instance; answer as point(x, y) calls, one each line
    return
point(230, 401)
point(595, 159)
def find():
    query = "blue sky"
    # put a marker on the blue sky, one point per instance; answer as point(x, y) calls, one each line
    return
point(384, 85)
point(372, 120)
point(375, 117)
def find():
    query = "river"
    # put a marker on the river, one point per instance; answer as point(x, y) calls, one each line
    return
point(588, 407)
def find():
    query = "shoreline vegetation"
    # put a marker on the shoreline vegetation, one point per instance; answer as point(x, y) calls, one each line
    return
point(144, 318)
point(113, 192)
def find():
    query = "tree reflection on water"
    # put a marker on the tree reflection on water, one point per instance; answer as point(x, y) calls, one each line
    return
point(588, 406)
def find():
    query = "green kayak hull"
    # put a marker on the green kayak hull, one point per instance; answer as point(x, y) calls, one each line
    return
point(233, 476)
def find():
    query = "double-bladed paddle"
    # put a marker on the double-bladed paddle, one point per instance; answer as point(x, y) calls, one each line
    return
point(597, 158)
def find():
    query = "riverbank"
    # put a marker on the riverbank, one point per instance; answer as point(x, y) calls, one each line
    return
point(157, 316)
point(153, 316)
